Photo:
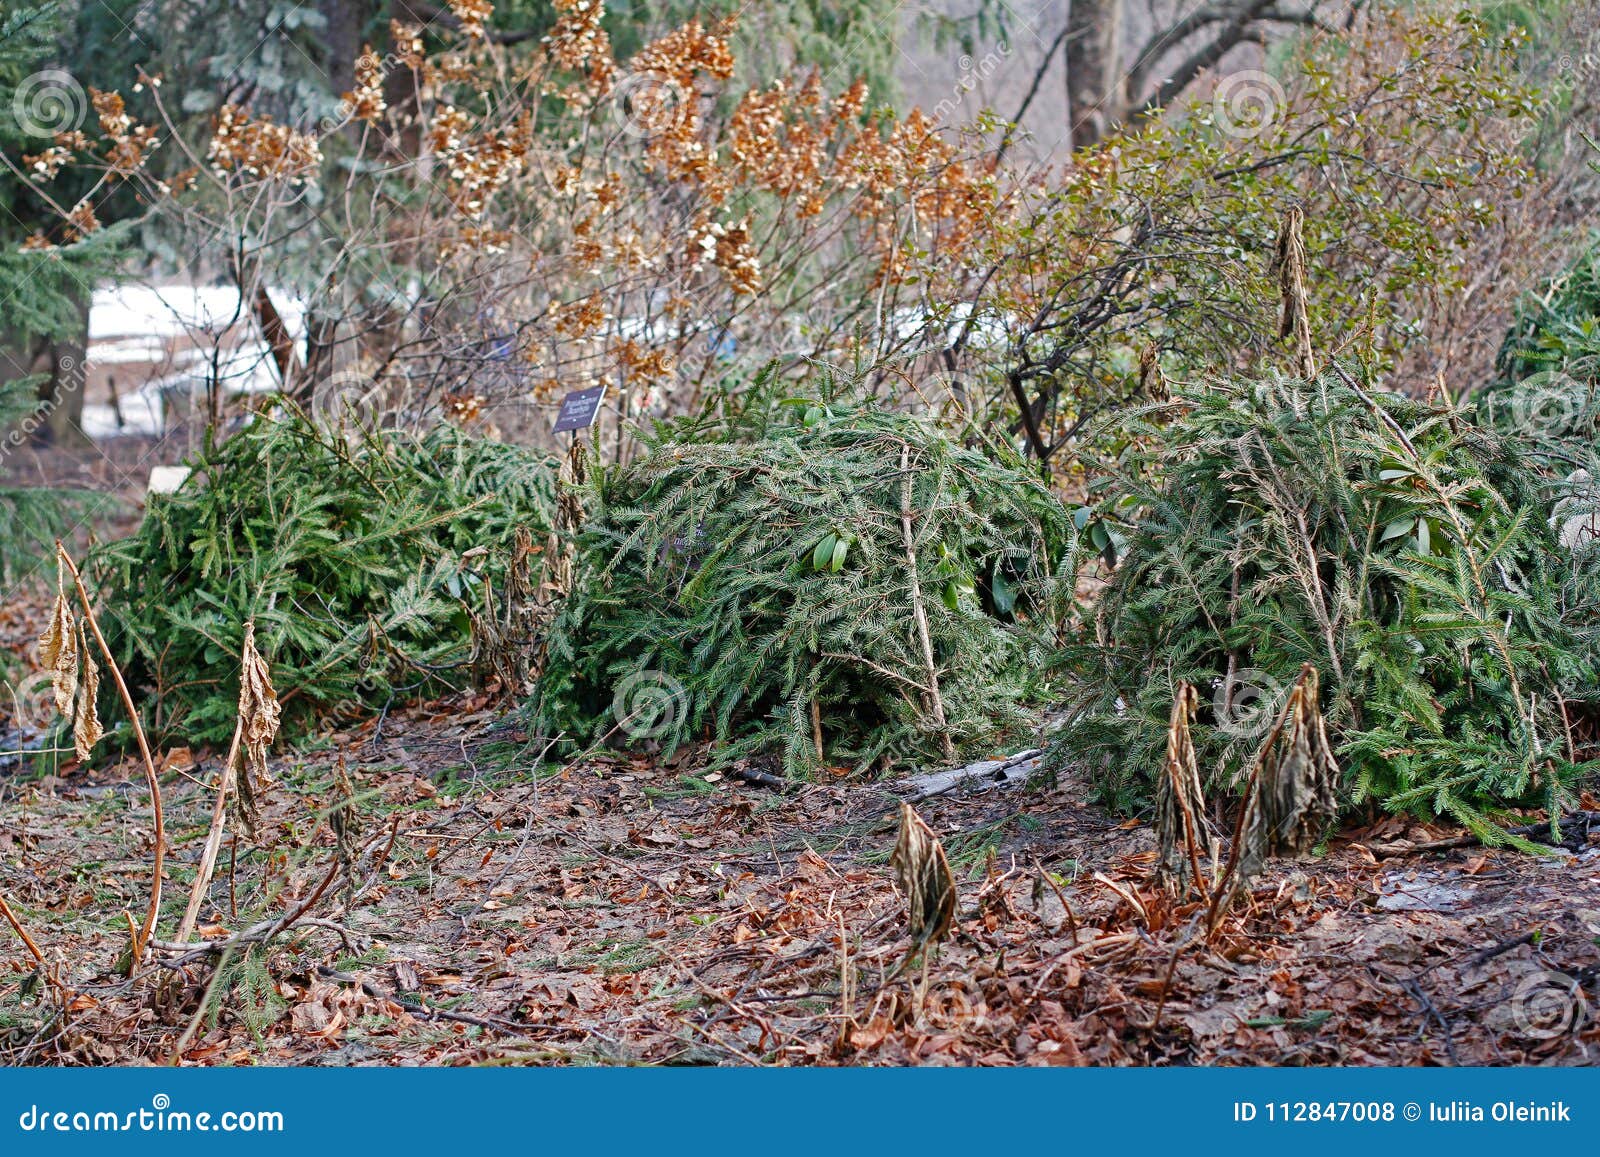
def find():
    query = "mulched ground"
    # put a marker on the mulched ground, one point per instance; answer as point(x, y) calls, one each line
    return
point(625, 912)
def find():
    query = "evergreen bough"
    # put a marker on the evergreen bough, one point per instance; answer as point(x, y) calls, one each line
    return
point(361, 556)
point(1547, 398)
point(44, 293)
point(1400, 548)
point(792, 589)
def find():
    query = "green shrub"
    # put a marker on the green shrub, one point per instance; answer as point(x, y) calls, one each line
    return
point(727, 590)
point(1555, 324)
point(1403, 550)
point(31, 517)
point(360, 555)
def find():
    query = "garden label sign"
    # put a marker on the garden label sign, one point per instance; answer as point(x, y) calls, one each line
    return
point(579, 408)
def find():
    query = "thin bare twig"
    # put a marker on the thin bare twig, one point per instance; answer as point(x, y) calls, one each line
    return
point(144, 931)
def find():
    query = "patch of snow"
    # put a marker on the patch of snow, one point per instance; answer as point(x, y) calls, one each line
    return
point(146, 311)
point(166, 479)
point(143, 412)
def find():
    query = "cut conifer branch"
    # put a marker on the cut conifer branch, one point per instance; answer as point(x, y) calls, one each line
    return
point(143, 932)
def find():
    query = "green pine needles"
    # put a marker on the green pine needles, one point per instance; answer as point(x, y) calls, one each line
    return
point(1403, 550)
point(362, 557)
point(31, 517)
point(851, 587)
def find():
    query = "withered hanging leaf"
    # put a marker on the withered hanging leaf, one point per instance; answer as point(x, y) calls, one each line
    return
point(258, 702)
point(58, 648)
point(558, 565)
point(1290, 265)
point(259, 714)
point(345, 820)
point(1180, 821)
point(1293, 792)
point(86, 729)
point(1299, 789)
point(923, 873)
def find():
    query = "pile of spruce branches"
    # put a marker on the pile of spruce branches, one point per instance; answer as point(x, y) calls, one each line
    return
point(850, 587)
point(363, 557)
point(1405, 550)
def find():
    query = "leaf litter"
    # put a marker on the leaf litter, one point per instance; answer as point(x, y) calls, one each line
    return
point(620, 912)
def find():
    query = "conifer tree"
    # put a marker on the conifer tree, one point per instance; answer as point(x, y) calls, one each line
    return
point(44, 288)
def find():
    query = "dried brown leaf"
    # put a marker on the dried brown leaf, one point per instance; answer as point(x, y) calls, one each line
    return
point(259, 715)
point(86, 729)
point(923, 873)
point(58, 649)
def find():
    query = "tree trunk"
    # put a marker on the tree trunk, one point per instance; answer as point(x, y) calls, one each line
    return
point(1094, 73)
point(58, 418)
point(347, 22)
point(63, 393)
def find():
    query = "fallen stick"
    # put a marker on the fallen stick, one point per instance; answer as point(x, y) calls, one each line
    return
point(1582, 819)
point(510, 1028)
point(762, 778)
point(256, 933)
point(1013, 769)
